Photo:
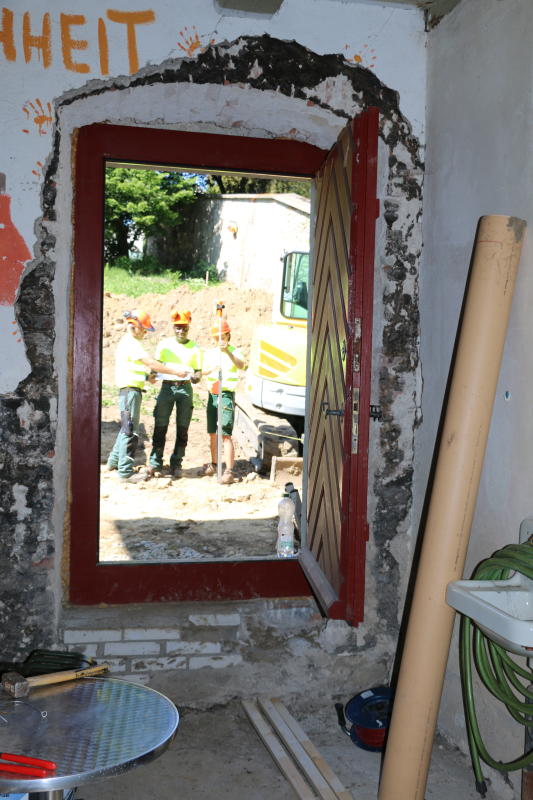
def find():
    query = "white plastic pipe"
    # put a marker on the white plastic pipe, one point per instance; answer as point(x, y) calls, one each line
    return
point(455, 487)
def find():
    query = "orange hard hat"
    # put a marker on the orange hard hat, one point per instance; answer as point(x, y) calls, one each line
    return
point(139, 318)
point(181, 317)
point(223, 327)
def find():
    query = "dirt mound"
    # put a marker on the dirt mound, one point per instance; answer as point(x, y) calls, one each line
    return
point(243, 308)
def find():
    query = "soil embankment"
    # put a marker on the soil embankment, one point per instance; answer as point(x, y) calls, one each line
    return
point(193, 517)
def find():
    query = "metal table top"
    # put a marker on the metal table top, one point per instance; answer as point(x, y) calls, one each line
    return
point(93, 727)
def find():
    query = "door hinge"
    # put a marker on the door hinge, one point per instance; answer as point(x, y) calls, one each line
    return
point(376, 412)
point(331, 412)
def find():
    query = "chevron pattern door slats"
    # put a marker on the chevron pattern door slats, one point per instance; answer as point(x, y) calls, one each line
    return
point(342, 265)
point(328, 359)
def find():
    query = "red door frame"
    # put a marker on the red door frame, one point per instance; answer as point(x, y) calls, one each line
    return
point(91, 582)
point(354, 534)
point(348, 602)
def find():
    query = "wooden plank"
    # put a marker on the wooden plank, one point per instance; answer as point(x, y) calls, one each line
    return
point(294, 746)
point(322, 588)
point(277, 751)
point(341, 792)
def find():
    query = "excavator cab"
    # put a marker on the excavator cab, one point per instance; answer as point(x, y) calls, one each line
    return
point(294, 298)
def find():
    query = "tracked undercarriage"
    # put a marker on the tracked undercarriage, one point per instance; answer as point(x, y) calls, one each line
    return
point(264, 435)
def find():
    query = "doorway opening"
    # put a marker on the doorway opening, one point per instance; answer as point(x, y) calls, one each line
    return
point(338, 385)
point(192, 242)
point(92, 580)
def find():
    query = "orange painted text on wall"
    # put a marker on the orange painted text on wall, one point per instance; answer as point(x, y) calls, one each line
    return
point(35, 37)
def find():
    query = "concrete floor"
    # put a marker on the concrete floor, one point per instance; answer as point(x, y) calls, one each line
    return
point(218, 754)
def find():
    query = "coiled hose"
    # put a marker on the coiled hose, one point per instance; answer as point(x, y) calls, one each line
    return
point(502, 675)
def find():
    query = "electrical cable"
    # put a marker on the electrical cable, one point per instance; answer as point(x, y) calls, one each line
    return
point(501, 675)
point(369, 715)
point(284, 436)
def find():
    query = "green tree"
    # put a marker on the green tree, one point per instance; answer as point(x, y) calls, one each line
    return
point(247, 184)
point(142, 202)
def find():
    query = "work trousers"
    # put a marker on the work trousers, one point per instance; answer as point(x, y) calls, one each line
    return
point(122, 456)
point(227, 412)
point(176, 394)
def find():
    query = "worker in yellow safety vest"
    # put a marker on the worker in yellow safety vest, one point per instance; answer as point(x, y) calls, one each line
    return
point(226, 359)
point(133, 367)
point(182, 353)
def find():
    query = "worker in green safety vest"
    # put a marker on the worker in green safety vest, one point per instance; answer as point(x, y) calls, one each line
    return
point(182, 353)
point(226, 359)
point(133, 367)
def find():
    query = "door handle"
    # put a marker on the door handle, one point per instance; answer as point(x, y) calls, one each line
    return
point(331, 412)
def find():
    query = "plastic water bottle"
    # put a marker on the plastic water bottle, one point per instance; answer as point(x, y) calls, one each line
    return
point(285, 543)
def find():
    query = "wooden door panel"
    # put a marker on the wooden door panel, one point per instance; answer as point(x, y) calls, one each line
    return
point(327, 439)
point(329, 329)
point(328, 387)
point(339, 369)
point(324, 511)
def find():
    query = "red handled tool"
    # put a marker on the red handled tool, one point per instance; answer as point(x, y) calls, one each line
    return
point(26, 765)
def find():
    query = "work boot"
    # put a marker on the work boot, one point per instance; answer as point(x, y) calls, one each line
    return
point(176, 472)
point(137, 477)
point(209, 469)
point(227, 476)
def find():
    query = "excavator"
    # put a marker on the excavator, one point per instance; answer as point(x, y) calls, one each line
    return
point(271, 414)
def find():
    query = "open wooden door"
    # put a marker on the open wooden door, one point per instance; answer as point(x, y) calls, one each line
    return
point(340, 362)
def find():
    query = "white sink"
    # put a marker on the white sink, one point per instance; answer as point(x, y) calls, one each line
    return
point(502, 609)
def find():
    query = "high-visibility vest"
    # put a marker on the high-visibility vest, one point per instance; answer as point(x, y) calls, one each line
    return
point(170, 351)
point(230, 373)
point(129, 370)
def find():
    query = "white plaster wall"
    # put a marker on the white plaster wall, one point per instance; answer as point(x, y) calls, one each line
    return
point(388, 40)
point(374, 35)
point(479, 161)
point(267, 228)
point(377, 37)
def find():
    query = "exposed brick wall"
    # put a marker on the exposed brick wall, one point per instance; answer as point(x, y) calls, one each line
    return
point(260, 646)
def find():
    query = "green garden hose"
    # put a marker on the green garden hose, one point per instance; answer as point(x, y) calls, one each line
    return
point(506, 679)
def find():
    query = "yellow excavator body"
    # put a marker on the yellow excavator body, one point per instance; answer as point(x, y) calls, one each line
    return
point(275, 379)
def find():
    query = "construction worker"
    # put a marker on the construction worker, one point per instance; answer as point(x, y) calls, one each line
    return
point(185, 355)
point(225, 358)
point(133, 366)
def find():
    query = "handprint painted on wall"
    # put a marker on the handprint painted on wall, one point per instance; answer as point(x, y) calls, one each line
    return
point(191, 41)
point(42, 117)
